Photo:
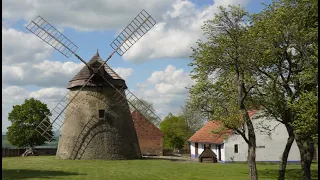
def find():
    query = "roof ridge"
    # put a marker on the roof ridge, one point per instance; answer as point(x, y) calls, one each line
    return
point(108, 67)
point(85, 73)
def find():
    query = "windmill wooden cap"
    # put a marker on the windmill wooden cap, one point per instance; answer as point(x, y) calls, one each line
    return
point(84, 74)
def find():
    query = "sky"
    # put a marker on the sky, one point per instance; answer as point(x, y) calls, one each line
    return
point(155, 68)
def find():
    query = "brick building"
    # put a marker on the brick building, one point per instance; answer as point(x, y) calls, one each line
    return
point(149, 136)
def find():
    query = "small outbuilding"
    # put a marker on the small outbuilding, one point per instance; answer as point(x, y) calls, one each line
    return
point(149, 136)
point(205, 139)
point(208, 154)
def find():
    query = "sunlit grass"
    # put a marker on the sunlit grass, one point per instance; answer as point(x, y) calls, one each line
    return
point(44, 167)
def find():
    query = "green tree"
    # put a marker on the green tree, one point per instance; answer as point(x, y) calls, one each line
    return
point(306, 109)
point(283, 53)
point(24, 119)
point(224, 56)
point(175, 131)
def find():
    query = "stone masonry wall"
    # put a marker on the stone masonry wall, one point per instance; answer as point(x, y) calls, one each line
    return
point(85, 136)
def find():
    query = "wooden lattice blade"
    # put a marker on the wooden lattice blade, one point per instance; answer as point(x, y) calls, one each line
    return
point(139, 26)
point(135, 103)
point(52, 36)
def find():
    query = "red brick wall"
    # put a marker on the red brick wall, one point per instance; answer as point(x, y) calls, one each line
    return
point(149, 136)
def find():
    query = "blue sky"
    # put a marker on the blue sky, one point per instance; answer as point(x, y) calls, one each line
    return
point(156, 68)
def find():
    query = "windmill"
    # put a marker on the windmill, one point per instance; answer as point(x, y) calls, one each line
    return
point(94, 116)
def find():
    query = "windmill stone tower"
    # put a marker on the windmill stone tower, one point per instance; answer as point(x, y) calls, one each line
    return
point(105, 128)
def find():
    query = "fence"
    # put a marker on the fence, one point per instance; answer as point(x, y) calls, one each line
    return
point(169, 152)
point(10, 152)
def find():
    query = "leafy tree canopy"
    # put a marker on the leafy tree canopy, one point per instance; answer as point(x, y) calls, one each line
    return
point(175, 131)
point(24, 119)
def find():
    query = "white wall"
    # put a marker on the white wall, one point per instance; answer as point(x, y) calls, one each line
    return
point(229, 149)
point(192, 150)
point(214, 148)
point(274, 144)
point(223, 153)
point(200, 148)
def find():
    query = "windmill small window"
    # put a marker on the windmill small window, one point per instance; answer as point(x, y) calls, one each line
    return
point(101, 114)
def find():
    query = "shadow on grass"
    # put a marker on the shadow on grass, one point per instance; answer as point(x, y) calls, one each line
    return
point(28, 173)
point(290, 173)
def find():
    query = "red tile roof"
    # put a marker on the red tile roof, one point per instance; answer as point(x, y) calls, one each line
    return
point(205, 134)
point(145, 127)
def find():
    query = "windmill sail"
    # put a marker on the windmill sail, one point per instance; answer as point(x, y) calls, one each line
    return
point(52, 36)
point(139, 26)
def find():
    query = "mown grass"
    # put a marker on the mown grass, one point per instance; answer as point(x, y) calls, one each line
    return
point(47, 167)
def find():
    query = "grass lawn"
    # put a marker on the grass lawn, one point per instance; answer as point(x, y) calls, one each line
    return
point(44, 167)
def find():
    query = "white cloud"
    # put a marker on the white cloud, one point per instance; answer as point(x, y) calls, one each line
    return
point(81, 14)
point(124, 73)
point(178, 31)
point(13, 94)
point(171, 80)
point(25, 64)
point(44, 74)
point(165, 89)
point(49, 93)
point(169, 74)
point(21, 48)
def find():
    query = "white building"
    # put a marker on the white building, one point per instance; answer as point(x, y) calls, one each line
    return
point(230, 147)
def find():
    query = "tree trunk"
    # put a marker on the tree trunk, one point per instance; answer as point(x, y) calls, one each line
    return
point(306, 148)
point(253, 174)
point(29, 152)
point(285, 154)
